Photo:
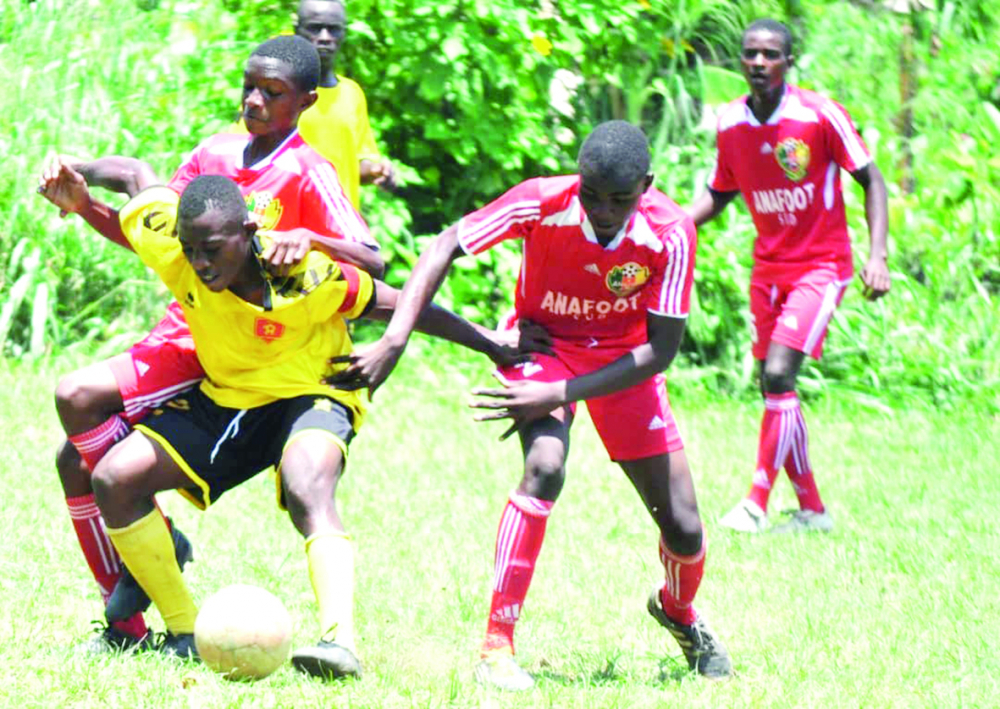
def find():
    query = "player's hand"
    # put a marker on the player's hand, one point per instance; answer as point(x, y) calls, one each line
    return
point(515, 345)
point(62, 184)
point(875, 278)
point(286, 250)
point(383, 174)
point(521, 401)
point(367, 366)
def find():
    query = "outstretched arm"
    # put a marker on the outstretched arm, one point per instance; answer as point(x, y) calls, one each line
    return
point(288, 248)
point(875, 274)
point(372, 364)
point(709, 205)
point(66, 187)
point(525, 401)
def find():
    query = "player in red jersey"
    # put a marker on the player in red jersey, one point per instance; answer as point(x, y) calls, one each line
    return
point(607, 270)
point(782, 148)
point(288, 187)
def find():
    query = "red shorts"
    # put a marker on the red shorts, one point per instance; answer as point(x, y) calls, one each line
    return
point(794, 314)
point(634, 423)
point(158, 367)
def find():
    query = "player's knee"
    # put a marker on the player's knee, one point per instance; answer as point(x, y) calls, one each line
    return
point(544, 475)
point(115, 482)
point(683, 536)
point(777, 378)
point(74, 395)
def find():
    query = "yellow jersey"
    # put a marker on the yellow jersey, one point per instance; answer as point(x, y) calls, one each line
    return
point(253, 355)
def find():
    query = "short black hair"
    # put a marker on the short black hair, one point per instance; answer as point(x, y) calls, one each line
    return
point(298, 53)
point(616, 151)
point(768, 25)
point(207, 192)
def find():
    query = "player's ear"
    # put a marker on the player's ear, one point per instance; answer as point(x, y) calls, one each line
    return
point(249, 228)
point(790, 60)
point(308, 100)
point(648, 182)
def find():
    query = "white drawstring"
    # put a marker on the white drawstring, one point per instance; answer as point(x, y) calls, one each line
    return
point(232, 430)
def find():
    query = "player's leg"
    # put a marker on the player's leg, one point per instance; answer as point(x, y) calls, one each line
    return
point(125, 482)
point(545, 444)
point(310, 469)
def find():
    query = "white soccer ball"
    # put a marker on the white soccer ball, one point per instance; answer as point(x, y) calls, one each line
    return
point(244, 632)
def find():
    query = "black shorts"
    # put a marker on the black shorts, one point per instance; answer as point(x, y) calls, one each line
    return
point(219, 448)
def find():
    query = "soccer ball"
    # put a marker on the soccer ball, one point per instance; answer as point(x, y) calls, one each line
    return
point(244, 632)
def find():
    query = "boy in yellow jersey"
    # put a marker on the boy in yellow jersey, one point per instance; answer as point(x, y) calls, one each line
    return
point(265, 344)
point(337, 126)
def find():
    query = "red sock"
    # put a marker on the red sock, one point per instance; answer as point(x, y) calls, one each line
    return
point(100, 553)
point(519, 539)
point(776, 430)
point(800, 470)
point(682, 579)
point(93, 444)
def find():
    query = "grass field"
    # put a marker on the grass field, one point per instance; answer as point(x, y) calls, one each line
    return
point(899, 607)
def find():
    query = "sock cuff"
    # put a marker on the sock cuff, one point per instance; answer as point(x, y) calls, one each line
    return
point(327, 535)
point(97, 436)
point(532, 506)
point(666, 554)
point(140, 525)
point(82, 507)
point(786, 401)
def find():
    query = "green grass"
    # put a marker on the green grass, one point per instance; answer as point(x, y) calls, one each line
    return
point(898, 607)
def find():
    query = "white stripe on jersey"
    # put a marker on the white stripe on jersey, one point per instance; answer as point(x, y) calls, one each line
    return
point(842, 124)
point(828, 182)
point(487, 233)
point(346, 220)
point(137, 404)
point(671, 298)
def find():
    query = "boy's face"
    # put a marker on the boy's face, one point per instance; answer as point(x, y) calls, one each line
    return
point(217, 246)
point(610, 206)
point(324, 24)
point(764, 61)
point(271, 100)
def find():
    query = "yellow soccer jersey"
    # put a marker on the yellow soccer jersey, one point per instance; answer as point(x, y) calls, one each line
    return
point(254, 355)
point(337, 127)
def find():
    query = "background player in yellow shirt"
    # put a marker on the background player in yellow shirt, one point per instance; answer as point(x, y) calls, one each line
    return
point(265, 344)
point(337, 126)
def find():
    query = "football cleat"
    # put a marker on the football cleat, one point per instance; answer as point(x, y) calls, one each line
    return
point(110, 640)
point(180, 646)
point(805, 521)
point(501, 671)
point(127, 598)
point(747, 517)
point(327, 660)
point(704, 652)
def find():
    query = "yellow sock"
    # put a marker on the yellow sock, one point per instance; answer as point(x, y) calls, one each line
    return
point(331, 570)
point(147, 549)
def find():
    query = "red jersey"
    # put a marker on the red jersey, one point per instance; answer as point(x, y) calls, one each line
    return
point(581, 292)
point(788, 170)
point(292, 187)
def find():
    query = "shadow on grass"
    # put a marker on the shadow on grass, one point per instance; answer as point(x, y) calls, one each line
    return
point(669, 671)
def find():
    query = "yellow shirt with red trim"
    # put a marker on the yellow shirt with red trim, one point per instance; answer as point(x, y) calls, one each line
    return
point(253, 354)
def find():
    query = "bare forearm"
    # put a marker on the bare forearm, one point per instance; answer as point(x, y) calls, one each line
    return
point(709, 205)
point(105, 222)
point(877, 213)
point(352, 252)
point(628, 370)
point(119, 174)
point(439, 322)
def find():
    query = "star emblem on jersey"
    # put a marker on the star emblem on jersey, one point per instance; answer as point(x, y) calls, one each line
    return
point(268, 330)
point(793, 156)
point(264, 209)
point(626, 279)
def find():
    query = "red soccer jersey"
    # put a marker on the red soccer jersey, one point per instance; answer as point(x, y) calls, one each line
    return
point(788, 172)
point(583, 293)
point(292, 187)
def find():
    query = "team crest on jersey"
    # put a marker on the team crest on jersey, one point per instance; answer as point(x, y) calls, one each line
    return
point(264, 209)
point(793, 156)
point(268, 330)
point(625, 280)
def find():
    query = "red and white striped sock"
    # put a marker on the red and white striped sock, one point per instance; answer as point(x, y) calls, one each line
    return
point(519, 540)
point(800, 470)
point(776, 433)
point(93, 444)
point(100, 553)
point(682, 576)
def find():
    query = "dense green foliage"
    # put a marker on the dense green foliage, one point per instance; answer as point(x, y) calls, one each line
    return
point(471, 97)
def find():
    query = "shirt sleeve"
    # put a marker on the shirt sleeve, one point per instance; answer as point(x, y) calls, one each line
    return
point(336, 289)
point(721, 178)
point(367, 149)
point(846, 145)
point(189, 169)
point(513, 215)
point(327, 210)
point(670, 290)
point(149, 223)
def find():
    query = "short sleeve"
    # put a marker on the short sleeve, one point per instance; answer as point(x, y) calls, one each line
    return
point(335, 289)
point(721, 178)
point(513, 215)
point(846, 145)
point(149, 222)
point(367, 149)
point(669, 293)
point(189, 169)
